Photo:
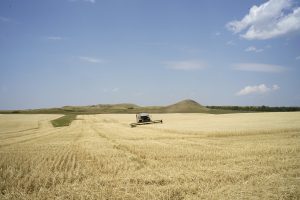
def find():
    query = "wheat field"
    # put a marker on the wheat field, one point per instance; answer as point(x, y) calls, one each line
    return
point(189, 156)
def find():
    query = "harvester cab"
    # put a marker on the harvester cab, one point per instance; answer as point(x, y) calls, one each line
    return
point(143, 119)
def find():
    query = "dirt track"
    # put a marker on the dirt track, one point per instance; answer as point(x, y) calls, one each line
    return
point(190, 156)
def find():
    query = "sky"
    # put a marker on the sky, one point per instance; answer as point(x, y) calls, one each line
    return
point(83, 52)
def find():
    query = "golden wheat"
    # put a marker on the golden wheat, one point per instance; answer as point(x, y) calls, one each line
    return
point(189, 156)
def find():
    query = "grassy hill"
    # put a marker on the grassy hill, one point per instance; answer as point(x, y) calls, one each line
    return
point(186, 106)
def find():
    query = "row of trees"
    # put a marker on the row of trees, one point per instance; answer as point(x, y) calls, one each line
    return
point(256, 108)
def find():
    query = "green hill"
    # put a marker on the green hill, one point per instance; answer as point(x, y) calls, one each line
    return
point(186, 106)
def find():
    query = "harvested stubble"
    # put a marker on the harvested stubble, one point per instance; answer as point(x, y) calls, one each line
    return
point(190, 156)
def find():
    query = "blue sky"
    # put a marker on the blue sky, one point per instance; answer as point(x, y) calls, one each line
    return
point(82, 52)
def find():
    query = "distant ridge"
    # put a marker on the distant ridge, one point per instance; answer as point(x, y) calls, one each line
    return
point(185, 106)
point(105, 106)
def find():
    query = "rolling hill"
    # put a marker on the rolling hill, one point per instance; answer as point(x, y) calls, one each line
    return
point(185, 106)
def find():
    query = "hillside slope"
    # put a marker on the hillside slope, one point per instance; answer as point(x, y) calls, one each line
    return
point(186, 106)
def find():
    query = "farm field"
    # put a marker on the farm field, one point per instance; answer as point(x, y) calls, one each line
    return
point(189, 156)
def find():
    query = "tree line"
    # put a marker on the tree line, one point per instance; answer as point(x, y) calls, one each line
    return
point(256, 108)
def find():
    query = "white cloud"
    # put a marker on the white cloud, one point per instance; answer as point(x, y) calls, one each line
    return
point(54, 38)
point(298, 58)
point(257, 89)
point(269, 20)
point(90, 59)
point(258, 67)
point(185, 65)
point(253, 49)
point(275, 87)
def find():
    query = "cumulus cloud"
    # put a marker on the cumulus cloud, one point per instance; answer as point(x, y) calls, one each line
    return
point(259, 67)
point(185, 65)
point(269, 20)
point(90, 59)
point(257, 89)
point(254, 49)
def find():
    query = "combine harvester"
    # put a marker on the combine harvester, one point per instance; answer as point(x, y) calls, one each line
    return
point(144, 119)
